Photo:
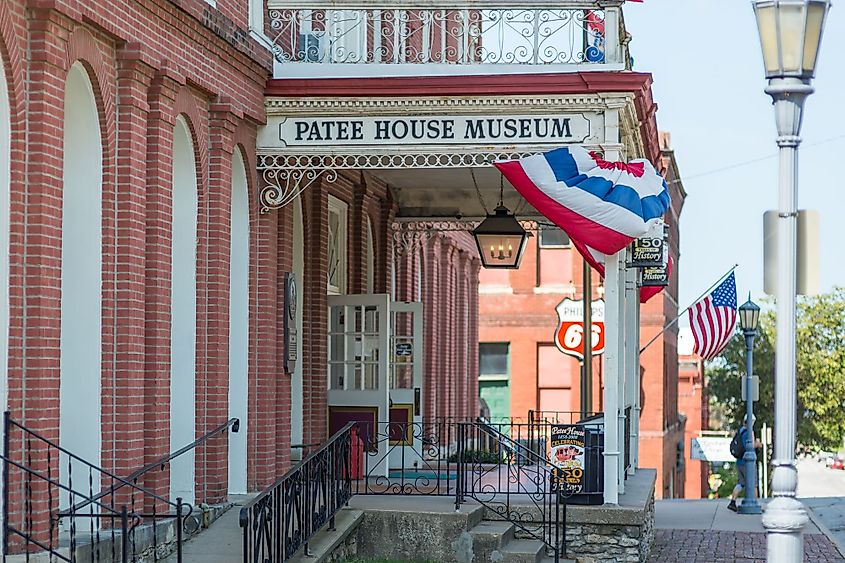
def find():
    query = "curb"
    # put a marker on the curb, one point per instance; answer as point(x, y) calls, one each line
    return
point(825, 530)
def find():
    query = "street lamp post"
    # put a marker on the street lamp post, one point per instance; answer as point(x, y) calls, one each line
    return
point(749, 313)
point(790, 35)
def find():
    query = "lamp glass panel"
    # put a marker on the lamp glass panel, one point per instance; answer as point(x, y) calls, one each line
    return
point(791, 27)
point(499, 250)
point(767, 26)
point(815, 23)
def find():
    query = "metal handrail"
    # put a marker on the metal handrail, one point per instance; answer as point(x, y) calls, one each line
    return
point(161, 462)
point(285, 517)
point(489, 427)
point(550, 533)
point(243, 517)
point(129, 520)
point(50, 443)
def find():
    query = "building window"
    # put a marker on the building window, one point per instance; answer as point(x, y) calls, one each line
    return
point(553, 237)
point(493, 379)
point(336, 275)
point(493, 360)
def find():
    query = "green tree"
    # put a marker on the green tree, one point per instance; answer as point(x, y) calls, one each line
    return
point(820, 366)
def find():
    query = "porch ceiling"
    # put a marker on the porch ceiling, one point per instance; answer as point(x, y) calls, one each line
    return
point(449, 193)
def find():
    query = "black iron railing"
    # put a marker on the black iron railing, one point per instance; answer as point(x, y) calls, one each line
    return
point(517, 479)
point(512, 481)
point(627, 440)
point(281, 520)
point(104, 513)
point(408, 458)
point(158, 464)
point(402, 458)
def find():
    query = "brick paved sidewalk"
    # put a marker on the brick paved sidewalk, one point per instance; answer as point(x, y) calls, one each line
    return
point(709, 546)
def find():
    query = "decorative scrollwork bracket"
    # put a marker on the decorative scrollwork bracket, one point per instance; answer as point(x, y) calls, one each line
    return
point(283, 185)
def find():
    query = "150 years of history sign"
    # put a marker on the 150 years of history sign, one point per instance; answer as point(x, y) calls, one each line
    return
point(569, 444)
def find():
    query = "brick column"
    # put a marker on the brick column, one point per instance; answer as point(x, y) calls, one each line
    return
point(444, 320)
point(157, 266)
point(41, 292)
point(123, 442)
point(264, 341)
point(472, 336)
point(214, 234)
point(460, 335)
point(315, 313)
point(431, 305)
point(282, 412)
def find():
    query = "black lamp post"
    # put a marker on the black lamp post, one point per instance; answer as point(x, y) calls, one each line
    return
point(500, 239)
point(749, 314)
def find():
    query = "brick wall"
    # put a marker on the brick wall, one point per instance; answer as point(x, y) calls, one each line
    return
point(148, 63)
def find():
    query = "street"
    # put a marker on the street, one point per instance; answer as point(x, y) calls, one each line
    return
point(816, 480)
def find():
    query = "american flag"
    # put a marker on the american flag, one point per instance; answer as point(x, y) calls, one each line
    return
point(712, 319)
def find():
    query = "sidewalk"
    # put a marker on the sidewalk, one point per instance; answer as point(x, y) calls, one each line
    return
point(705, 530)
point(222, 542)
point(829, 514)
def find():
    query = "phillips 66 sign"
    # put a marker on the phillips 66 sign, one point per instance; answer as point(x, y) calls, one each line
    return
point(569, 336)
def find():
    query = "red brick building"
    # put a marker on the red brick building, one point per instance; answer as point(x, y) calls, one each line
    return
point(131, 155)
point(522, 369)
point(146, 290)
point(693, 402)
point(156, 210)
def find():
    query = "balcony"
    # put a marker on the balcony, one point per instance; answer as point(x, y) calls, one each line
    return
point(318, 38)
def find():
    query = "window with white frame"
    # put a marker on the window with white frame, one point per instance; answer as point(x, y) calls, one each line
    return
point(553, 237)
point(493, 360)
point(256, 16)
point(336, 275)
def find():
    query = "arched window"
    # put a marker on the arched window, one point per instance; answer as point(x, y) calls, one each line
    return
point(183, 306)
point(81, 307)
point(239, 324)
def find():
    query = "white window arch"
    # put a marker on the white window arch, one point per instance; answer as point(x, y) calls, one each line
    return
point(5, 209)
point(82, 263)
point(183, 306)
point(239, 324)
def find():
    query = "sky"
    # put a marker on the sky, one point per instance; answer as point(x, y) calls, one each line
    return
point(708, 84)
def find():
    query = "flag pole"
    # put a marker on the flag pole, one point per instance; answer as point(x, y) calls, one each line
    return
point(681, 314)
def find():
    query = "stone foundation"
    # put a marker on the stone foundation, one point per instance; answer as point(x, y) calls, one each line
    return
point(605, 534)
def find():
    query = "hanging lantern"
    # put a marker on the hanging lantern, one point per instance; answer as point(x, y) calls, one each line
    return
point(500, 239)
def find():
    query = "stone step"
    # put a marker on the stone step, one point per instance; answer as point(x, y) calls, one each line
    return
point(489, 537)
point(522, 551)
point(327, 544)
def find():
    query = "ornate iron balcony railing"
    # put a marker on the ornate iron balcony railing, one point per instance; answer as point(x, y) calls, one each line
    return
point(378, 37)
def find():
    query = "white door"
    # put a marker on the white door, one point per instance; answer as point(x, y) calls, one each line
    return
point(406, 386)
point(359, 340)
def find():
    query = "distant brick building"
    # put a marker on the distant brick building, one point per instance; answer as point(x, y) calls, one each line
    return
point(522, 370)
point(693, 402)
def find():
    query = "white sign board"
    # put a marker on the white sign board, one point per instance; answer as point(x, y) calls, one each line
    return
point(388, 131)
point(710, 448)
point(572, 310)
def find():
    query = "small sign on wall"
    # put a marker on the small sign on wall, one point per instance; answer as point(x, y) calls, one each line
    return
point(291, 335)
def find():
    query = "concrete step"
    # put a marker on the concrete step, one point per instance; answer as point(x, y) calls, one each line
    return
point(489, 537)
point(326, 543)
point(523, 551)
